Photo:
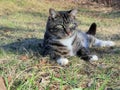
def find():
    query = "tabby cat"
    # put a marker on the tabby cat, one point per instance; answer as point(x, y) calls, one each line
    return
point(63, 39)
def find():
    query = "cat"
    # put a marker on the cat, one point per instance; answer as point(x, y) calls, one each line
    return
point(63, 39)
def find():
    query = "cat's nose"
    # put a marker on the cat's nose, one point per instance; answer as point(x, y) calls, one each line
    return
point(68, 31)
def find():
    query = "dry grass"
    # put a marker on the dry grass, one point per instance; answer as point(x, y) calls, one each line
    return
point(22, 26)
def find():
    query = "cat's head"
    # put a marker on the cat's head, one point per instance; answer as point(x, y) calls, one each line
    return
point(61, 24)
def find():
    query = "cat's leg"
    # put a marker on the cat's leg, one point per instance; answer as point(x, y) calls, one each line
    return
point(59, 53)
point(95, 42)
point(103, 43)
point(62, 61)
point(84, 53)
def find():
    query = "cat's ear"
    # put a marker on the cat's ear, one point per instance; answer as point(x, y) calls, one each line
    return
point(92, 29)
point(73, 12)
point(52, 13)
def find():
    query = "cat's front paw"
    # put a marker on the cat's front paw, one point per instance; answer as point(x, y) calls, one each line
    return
point(94, 58)
point(62, 61)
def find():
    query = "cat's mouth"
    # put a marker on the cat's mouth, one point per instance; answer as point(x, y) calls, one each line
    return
point(68, 32)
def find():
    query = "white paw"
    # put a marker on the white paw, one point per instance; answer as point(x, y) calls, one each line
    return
point(94, 58)
point(62, 61)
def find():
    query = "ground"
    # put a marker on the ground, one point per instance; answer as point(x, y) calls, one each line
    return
point(22, 27)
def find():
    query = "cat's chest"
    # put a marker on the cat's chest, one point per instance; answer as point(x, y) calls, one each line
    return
point(68, 43)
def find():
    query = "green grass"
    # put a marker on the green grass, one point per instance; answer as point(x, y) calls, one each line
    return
point(22, 27)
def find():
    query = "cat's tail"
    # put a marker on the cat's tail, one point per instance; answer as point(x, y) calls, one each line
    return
point(92, 29)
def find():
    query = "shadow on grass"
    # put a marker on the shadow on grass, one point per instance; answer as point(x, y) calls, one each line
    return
point(14, 31)
point(30, 46)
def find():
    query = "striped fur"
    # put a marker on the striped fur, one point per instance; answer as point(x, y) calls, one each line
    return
point(63, 39)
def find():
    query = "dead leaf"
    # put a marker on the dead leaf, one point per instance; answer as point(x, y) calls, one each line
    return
point(29, 35)
point(109, 89)
point(9, 79)
point(2, 84)
point(57, 75)
point(89, 84)
point(43, 61)
point(6, 31)
point(84, 85)
point(23, 57)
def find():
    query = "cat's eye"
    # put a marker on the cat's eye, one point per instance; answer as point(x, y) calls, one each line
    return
point(59, 26)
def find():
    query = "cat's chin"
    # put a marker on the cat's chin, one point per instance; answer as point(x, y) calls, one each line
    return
point(62, 61)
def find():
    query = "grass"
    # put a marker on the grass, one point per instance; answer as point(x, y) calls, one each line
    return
point(22, 26)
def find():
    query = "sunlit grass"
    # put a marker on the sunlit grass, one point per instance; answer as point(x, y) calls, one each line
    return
point(22, 25)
